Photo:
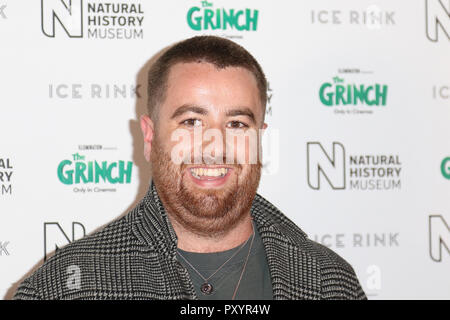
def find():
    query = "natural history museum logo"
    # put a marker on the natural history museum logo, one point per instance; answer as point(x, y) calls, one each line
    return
point(437, 20)
point(439, 237)
point(6, 172)
point(92, 19)
point(56, 237)
point(329, 166)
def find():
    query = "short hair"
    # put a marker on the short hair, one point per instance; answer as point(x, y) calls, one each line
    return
point(218, 51)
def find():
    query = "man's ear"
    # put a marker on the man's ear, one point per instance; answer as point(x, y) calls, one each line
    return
point(147, 131)
point(264, 126)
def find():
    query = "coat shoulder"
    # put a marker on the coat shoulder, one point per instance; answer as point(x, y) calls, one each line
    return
point(336, 276)
point(93, 256)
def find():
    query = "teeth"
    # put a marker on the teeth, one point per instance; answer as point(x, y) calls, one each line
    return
point(209, 172)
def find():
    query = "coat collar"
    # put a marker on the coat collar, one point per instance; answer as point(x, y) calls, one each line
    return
point(294, 272)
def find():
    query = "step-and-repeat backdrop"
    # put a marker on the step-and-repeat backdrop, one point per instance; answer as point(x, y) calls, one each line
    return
point(358, 147)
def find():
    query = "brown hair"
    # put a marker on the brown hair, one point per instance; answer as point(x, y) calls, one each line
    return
point(218, 51)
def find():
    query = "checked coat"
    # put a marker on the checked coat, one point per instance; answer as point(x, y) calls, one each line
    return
point(134, 257)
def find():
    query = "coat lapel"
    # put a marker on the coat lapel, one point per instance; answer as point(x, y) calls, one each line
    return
point(295, 274)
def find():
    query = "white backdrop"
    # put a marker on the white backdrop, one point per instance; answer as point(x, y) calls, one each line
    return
point(369, 178)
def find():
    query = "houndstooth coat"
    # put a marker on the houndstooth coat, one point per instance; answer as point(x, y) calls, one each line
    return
point(135, 258)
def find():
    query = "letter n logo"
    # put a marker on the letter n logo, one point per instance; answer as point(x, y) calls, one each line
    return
point(55, 237)
point(329, 166)
point(439, 236)
point(437, 15)
point(67, 13)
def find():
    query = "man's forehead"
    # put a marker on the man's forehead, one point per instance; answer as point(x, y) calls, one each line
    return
point(197, 69)
point(215, 90)
point(206, 81)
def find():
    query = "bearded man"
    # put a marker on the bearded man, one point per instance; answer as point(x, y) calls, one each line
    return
point(202, 231)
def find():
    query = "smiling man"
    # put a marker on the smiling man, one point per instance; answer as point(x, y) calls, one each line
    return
point(202, 231)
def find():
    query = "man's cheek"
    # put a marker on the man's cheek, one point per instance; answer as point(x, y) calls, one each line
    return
point(242, 173)
point(242, 146)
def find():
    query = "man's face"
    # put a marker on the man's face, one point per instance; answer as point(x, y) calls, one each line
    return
point(214, 184)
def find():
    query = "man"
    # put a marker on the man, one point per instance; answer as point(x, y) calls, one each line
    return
point(201, 232)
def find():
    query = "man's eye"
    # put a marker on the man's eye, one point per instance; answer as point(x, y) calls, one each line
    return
point(192, 122)
point(236, 125)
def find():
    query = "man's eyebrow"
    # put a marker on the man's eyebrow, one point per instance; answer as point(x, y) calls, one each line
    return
point(244, 111)
point(189, 108)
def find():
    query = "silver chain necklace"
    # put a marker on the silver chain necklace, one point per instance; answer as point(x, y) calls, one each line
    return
point(207, 287)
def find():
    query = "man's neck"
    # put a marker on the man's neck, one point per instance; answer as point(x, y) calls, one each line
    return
point(192, 242)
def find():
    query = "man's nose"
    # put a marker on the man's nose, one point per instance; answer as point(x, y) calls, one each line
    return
point(214, 144)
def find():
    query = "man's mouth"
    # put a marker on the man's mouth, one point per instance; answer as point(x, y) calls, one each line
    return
point(210, 176)
point(209, 173)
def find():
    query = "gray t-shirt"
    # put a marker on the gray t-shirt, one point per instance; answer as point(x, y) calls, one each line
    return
point(255, 283)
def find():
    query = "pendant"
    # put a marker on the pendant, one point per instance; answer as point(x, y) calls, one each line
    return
point(206, 288)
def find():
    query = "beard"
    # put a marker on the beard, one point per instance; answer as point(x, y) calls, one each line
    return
point(205, 212)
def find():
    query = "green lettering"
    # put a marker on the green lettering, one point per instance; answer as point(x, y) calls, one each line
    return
point(90, 172)
point(208, 19)
point(370, 102)
point(328, 100)
point(100, 171)
point(110, 178)
point(65, 177)
point(358, 94)
point(445, 168)
point(381, 93)
point(228, 19)
point(197, 25)
point(126, 172)
point(340, 94)
point(218, 22)
point(349, 95)
point(80, 167)
point(251, 20)
point(236, 19)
